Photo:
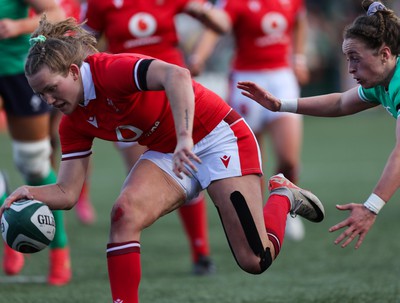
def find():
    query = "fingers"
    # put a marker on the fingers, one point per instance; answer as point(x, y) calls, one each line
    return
point(348, 236)
point(340, 225)
point(337, 227)
point(360, 240)
point(248, 95)
point(18, 194)
point(183, 162)
point(349, 239)
point(344, 206)
point(356, 225)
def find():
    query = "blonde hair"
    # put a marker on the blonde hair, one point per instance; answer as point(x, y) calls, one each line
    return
point(58, 45)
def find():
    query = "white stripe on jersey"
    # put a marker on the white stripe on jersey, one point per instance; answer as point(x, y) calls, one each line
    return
point(135, 74)
point(76, 155)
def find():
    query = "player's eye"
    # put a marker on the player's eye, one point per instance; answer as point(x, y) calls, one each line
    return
point(51, 89)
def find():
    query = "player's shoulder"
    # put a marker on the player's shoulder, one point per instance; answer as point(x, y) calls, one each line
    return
point(100, 5)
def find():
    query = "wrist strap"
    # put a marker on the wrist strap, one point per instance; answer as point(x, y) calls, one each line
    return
point(374, 203)
point(289, 105)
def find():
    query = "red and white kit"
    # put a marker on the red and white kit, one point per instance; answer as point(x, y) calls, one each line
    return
point(118, 108)
point(140, 26)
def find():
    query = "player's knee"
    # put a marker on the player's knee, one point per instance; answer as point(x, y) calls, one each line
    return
point(32, 159)
point(120, 212)
point(127, 215)
point(250, 263)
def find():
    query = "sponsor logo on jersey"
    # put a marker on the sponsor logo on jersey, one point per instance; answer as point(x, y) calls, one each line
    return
point(128, 133)
point(118, 3)
point(153, 129)
point(274, 25)
point(254, 6)
point(225, 160)
point(142, 25)
point(92, 120)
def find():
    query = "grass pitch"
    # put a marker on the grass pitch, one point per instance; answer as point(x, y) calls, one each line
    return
point(342, 160)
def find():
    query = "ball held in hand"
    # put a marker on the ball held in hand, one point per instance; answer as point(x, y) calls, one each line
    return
point(28, 226)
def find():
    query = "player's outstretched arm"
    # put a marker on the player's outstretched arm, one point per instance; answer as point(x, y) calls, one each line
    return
point(177, 83)
point(61, 195)
point(211, 16)
point(362, 216)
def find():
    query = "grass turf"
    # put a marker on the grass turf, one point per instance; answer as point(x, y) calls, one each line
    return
point(342, 160)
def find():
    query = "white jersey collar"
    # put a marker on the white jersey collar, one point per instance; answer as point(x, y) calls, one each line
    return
point(89, 92)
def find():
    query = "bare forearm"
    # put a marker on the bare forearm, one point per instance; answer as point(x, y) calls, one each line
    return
point(333, 105)
point(389, 181)
point(182, 100)
point(28, 25)
point(322, 106)
point(214, 18)
point(54, 195)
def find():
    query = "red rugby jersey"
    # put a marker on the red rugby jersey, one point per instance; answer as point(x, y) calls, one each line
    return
point(121, 111)
point(72, 8)
point(262, 31)
point(140, 26)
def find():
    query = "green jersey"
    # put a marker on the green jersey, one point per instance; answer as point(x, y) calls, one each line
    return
point(13, 51)
point(390, 99)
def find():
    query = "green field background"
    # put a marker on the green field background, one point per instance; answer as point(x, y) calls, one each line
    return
point(341, 161)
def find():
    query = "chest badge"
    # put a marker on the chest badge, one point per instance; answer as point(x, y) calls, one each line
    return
point(92, 120)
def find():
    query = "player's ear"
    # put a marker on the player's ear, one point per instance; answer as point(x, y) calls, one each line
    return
point(74, 71)
point(385, 53)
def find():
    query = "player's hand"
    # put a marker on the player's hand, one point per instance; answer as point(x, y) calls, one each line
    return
point(19, 194)
point(358, 224)
point(8, 28)
point(183, 156)
point(260, 95)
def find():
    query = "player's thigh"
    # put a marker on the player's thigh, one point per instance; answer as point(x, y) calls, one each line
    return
point(29, 128)
point(130, 152)
point(152, 192)
point(286, 134)
point(248, 187)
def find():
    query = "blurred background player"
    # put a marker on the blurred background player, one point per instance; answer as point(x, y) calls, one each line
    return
point(28, 122)
point(371, 46)
point(270, 39)
point(148, 27)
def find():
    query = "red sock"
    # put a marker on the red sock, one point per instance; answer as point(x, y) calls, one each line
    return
point(123, 260)
point(275, 214)
point(194, 218)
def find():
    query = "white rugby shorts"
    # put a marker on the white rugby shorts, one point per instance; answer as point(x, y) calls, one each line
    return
point(282, 83)
point(230, 150)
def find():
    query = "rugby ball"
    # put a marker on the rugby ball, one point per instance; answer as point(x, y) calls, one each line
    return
point(28, 226)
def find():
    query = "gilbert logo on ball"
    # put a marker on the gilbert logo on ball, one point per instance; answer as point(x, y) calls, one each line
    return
point(28, 226)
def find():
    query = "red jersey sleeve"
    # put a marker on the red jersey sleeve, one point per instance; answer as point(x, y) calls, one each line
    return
point(74, 142)
point(120, 74)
